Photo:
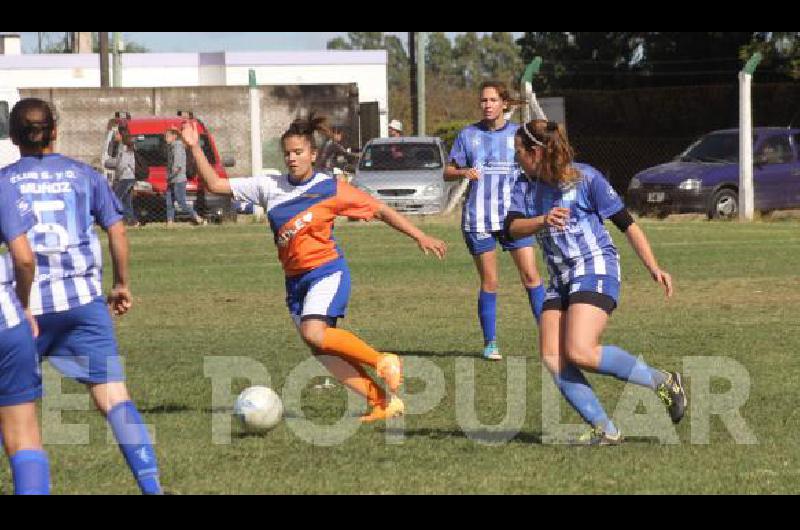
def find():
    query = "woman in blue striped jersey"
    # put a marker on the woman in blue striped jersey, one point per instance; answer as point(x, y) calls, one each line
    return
point(483, 153)
point(564, 204)
point(20, 380)
point(68, 199)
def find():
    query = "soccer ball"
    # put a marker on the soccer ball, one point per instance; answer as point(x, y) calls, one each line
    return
point(258, 408)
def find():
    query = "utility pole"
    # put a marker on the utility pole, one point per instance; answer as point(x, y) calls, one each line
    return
point(117, 63)
point(421, 43)
point(412, 87)
point(103, 38)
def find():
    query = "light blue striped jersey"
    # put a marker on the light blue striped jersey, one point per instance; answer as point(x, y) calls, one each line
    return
point(492, 153)
point(16, 218)
point(67, 197)
point(584, 246)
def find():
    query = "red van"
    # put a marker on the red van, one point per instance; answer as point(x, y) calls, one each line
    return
point(151, 166)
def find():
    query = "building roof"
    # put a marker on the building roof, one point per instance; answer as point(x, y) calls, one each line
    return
point(271, 58)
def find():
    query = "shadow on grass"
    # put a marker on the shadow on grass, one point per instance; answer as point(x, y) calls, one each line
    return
point(165, 408)
point(642, 440)
point(244, 434)
point(229, 410)
point(492, 437)
point(420, 353)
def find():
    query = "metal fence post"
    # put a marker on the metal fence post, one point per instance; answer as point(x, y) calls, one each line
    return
point(746, 199)
point(255, 127)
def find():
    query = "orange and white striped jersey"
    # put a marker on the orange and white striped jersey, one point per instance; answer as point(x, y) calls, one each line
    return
point(301, 215)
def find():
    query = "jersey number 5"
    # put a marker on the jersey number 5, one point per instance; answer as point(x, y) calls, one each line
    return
point(49, 238)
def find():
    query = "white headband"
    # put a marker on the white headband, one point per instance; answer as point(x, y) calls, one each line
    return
point(531, 137)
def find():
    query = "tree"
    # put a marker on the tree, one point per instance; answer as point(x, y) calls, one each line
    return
point(781, 51)
point(397, 65)
point(439, 55)
point(614, 60)
point(397, 57)
point(467, 56)
point(54, 42)
point(127, 46)
point(358, 40)
point(501, 58)
point(398, 61)
point(62, 41)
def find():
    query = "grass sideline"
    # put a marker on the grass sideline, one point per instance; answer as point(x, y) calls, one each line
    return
point(218, 291)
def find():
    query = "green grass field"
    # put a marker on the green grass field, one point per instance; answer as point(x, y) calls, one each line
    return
point(218, 291)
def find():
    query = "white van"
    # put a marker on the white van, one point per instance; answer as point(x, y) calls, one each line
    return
point(9, 153)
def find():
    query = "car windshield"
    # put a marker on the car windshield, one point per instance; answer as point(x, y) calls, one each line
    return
point(153, 149)
point(400, 157)
point(714, 147)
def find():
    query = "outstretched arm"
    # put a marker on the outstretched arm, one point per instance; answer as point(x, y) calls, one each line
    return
point(211, 180)
point(24, 268)
point(641, 246)
point(120, 300)
point(401, 224)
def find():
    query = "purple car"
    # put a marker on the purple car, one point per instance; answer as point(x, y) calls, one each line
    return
point(705, 177)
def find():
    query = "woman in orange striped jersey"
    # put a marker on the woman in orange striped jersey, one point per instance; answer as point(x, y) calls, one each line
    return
point(301, 207)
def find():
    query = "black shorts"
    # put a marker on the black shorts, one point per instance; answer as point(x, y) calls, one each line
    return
point(603, 301)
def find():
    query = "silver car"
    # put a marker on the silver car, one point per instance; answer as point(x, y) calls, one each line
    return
point(406, 173)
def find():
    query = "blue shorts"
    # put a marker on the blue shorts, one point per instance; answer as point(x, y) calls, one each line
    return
point(319, 293)
point(20, 378)
point(599, 290)
point(80, 343)
point(482, 242)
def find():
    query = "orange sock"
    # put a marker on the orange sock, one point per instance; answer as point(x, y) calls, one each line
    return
point(346, 345)
point(353, 376)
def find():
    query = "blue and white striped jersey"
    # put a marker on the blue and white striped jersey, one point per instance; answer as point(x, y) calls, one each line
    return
point(16, 218)
point(67, 197)
point(492, 153)
point(584, 247)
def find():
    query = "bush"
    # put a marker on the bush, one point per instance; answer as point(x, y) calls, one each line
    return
point(449, 130)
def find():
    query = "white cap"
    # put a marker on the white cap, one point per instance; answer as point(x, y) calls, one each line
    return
point(397, 125)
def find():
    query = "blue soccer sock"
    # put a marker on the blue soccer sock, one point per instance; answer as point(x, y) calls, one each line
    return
point(31, 471)
point(536, 298)
point(622, 365)
point(487, 313)
point(578, 392)
point(134, 442)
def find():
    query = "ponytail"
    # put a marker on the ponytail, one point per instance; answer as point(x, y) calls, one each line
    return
point(306, 127)
point(555, 167)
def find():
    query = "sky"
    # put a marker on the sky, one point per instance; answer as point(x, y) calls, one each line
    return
point(224, 41)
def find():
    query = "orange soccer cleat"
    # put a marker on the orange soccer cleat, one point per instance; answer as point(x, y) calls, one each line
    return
point(385, 411)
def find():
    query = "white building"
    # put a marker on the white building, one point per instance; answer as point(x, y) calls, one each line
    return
point(365, 68)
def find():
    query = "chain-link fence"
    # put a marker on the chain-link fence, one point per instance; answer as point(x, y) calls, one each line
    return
point(621, 132)
point(89, 120)
point(618, 150)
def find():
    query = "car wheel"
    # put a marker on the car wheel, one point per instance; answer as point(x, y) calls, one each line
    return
point(724, 205)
